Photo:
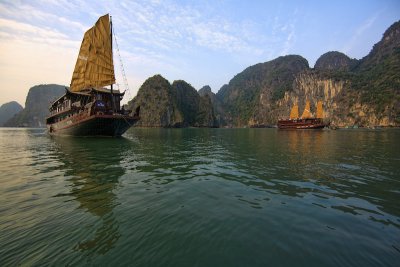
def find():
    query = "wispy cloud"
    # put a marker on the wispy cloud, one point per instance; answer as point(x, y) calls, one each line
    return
point(361, 30)
point(64, 5)
point(290, 35)
point(169, 26)
point(19, 28)
point(13, 30)
point(284, 31)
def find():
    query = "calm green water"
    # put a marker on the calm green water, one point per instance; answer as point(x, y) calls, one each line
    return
point(201, 197)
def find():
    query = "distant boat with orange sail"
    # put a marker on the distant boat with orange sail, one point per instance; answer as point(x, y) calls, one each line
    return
point(306, 121)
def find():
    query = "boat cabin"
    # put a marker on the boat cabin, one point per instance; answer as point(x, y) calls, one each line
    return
point(92, 101)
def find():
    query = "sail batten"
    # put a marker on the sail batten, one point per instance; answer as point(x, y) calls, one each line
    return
point(94, 66)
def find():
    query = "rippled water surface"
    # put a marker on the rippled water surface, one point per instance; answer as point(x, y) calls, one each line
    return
point(201, 197)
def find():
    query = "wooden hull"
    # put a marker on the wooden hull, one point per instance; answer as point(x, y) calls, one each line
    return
point(301, 124)
point(95, 125)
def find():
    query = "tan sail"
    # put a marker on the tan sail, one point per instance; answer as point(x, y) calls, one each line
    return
point(306, 113)
point(294, 113)
point(320, 111)
point(94, 66)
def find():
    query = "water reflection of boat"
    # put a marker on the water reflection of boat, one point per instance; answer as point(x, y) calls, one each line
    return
point(94, 171)
point(306, 121)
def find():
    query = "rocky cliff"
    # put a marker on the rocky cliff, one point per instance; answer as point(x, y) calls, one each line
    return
point(197, 109)
point(218, 109)
point(36, 106)
point(261, 84)
point(188, 101)
point(177, 105)
point(306, 85)
point(362, 92)
point(334, 61)
point(157, 101)
point(8, 110)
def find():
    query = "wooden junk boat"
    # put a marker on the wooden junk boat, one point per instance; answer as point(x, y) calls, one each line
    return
point(87, 108)
point(306, 121)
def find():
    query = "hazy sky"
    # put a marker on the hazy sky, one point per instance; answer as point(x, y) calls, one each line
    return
point(201, 42)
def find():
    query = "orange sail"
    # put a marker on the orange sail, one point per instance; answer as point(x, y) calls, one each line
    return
point(306, 112)
point(94, 66)
point(320, 111)
point(294, 113)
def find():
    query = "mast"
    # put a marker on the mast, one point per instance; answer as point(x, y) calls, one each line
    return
point(111, 37)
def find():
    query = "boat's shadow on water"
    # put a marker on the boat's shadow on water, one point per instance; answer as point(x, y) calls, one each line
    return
point(92, 169)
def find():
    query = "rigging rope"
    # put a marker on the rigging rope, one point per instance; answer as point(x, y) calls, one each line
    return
point(122, 67)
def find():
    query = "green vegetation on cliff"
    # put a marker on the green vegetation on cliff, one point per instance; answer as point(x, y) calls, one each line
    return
point(335, 61)
point(157, 101)
point(380, 83)
point(377, 75)
point(205, 116)
point(218, 109)
point(242, 93)
point(197, 110)
point(188, 101)
point(177, 105)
